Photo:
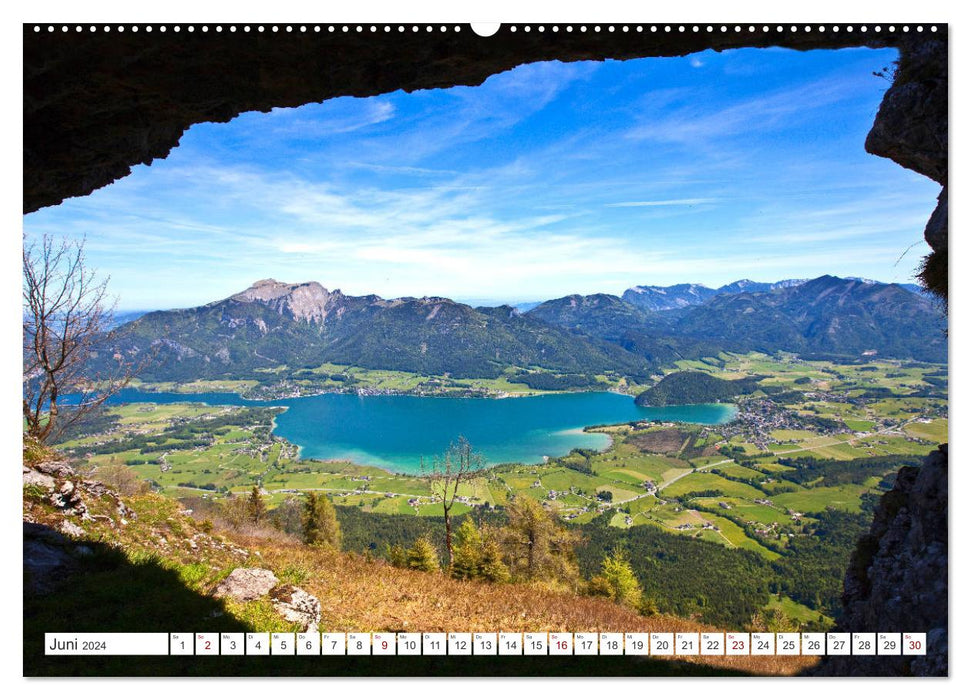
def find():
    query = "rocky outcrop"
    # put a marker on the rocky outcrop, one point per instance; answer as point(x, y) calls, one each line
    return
point(49, 557)
point(911, 128)
point(246, 584)
point(296, 605)
point(64, 489)
point(308, 301)
point(897, 578)
point(292, 603)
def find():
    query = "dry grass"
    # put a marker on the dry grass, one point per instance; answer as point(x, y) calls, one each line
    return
point(361, 595)
point(35, 452)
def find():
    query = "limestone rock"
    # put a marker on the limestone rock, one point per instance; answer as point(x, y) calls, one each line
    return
point(246, 584)
point(911, 125)
point(69, 528)
point(911, 128)
point(68, 499)
point(59, 469)
point(308, 301)
point(897, 578)
point(296, 605)
point(32, 477)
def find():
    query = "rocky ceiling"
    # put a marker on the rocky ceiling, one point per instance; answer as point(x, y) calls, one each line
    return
point(96, 103)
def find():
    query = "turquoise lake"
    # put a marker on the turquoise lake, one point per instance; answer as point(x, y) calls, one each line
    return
point(394, 432)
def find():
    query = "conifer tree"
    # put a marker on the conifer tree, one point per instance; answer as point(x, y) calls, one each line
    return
point(619, 577)
point(423, 556)
point(491, 566)
point(537, 545)
point(467, 551)
point(320, 522)
point(397, 556)
point(256, 508)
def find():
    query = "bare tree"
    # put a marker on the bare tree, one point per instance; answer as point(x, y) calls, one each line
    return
point(444, 477)
point(67, 322)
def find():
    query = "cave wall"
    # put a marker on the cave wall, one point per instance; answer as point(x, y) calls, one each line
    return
point(897, 577)
point(911, 129)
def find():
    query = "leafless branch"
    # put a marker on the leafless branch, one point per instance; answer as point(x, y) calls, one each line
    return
point(67, 320)
point(446, 473)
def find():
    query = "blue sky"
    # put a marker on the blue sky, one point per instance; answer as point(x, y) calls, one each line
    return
point(546, 180)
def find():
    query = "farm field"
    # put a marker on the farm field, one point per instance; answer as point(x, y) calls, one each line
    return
point(737, 484)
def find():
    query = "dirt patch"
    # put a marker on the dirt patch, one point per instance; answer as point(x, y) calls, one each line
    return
point(665, 441)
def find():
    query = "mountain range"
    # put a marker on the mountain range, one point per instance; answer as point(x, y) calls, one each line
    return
point(273, 324)
point(678, 296)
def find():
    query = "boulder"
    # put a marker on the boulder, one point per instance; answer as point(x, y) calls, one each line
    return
point(296, 605)
point(246, 584)
point(43, 481)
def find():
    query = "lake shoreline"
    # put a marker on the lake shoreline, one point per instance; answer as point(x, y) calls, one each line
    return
point(392, 432)
point(188, 390)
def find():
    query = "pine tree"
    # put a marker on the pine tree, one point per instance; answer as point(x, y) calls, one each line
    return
point(320, 522)
point(649, 606)
point(423, 556)
point(467, 551)
point(537, 546)
point(397, 556)
point(491, 566)
point(255, 507)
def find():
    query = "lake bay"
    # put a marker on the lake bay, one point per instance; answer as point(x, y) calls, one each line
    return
point(394, 432)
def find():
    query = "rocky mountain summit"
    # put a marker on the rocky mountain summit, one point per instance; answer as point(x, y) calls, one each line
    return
point(827, 315)
point(308, 301)
point(299, 327)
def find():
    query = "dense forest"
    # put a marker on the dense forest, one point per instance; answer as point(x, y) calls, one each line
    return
point(832, 472)
point(695, 387)
point(682, 575)
point(679, 575)
point(812, 570)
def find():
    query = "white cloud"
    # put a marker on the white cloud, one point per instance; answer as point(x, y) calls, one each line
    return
point(690, 202)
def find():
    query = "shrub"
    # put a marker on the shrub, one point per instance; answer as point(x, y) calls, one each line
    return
point(422, 556)
point(122, 479)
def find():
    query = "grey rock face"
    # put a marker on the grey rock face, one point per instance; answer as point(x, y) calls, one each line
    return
point(911, 128)
point(296, 605)
point(246, 584)
point(32, 477)
point(897, 578)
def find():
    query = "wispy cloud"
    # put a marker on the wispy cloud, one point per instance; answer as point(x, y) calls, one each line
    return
point(666, 202)
point(357, 115)
point(705, 120)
